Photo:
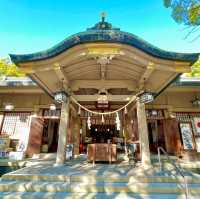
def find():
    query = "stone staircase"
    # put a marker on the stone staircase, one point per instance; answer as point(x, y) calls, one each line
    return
point(141, 186)
point(45, 156)
point(78, 179)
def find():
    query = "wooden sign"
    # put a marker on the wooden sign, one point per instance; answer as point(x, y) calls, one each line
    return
point(187, 137)
point(197, 139)
point(197, 124)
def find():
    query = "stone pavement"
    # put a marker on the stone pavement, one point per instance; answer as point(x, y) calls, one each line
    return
point(80, 179)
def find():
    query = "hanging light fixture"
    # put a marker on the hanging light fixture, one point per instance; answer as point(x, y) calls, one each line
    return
point(196, 102)
point(146, 97)
point(61, 96)
point(102, 100)
point(9, 107)
point(52, 107)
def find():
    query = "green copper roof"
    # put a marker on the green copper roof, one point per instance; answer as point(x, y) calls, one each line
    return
point(104, 32)
point(187, 81)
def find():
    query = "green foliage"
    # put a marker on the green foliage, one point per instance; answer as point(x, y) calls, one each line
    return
point(186, 12)
point(9, 69)
point(195, 70)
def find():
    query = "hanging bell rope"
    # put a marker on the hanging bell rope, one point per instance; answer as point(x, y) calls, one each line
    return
point(133, 99)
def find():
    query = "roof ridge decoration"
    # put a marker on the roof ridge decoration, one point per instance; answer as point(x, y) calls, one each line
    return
point(103, 25)
point(104, 32)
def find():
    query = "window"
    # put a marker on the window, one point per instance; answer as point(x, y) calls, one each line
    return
point(193, 118)
point(51, 113)
point(14, 123)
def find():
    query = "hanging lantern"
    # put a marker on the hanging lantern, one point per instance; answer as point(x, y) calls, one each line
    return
point(52, 107)
point(102, 100)
point(196, 102)
point(146, 97)
point(9, 107)
point(61, 97)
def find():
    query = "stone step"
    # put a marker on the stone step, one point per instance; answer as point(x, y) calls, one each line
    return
point(34, 186)
point(99, 187)
point(45, 156)
point(61, 195)
point(142, 188)
point(94, 178)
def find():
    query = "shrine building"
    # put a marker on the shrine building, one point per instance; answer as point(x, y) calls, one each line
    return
point(97, 90)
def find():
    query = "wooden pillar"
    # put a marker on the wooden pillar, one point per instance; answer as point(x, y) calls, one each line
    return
point(143, 134)
point(63, 128)
point(76, 135)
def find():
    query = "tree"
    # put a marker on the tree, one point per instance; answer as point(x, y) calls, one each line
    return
point(195, 70)
point(186, 12)
point(9, 69)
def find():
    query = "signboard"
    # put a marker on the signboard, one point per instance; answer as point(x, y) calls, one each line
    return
point(69, 151)
point(198, 143)
point(16, 155)
point(186, 132)
point(197, 124)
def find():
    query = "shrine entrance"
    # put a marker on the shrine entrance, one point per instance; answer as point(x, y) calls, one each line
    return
point(50, 136)
point(156, 135)
point(104, 63)
point(103, 133)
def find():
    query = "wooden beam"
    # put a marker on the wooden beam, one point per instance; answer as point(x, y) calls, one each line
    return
point(111, 98)
point(35, 78)
point(107, 84)
point(144, 78)
point(174, 67)
point(21, 90)
point(61, 76)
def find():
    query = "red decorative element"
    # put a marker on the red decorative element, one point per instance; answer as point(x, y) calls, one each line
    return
point(81, 148)
point(198, 124)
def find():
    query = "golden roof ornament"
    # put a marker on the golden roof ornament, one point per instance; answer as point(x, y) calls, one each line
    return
point(103, 25)
point(103, 16)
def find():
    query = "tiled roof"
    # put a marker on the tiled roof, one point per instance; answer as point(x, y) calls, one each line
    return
point(17, 81)
point(187, 81)
point(104, 31)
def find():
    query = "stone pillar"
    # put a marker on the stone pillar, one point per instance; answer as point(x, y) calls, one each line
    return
point(63, 128)
point(143, 134)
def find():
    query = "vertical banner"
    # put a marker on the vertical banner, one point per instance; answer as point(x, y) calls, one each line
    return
point(197, 139)
point(197, 124)
point(187, 137)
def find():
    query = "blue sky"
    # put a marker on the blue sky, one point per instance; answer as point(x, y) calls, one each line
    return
point(28, 26)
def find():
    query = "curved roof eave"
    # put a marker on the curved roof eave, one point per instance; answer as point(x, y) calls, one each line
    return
point(114, 36)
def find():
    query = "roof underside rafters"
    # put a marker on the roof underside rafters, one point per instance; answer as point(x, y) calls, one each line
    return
point(104, 59)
